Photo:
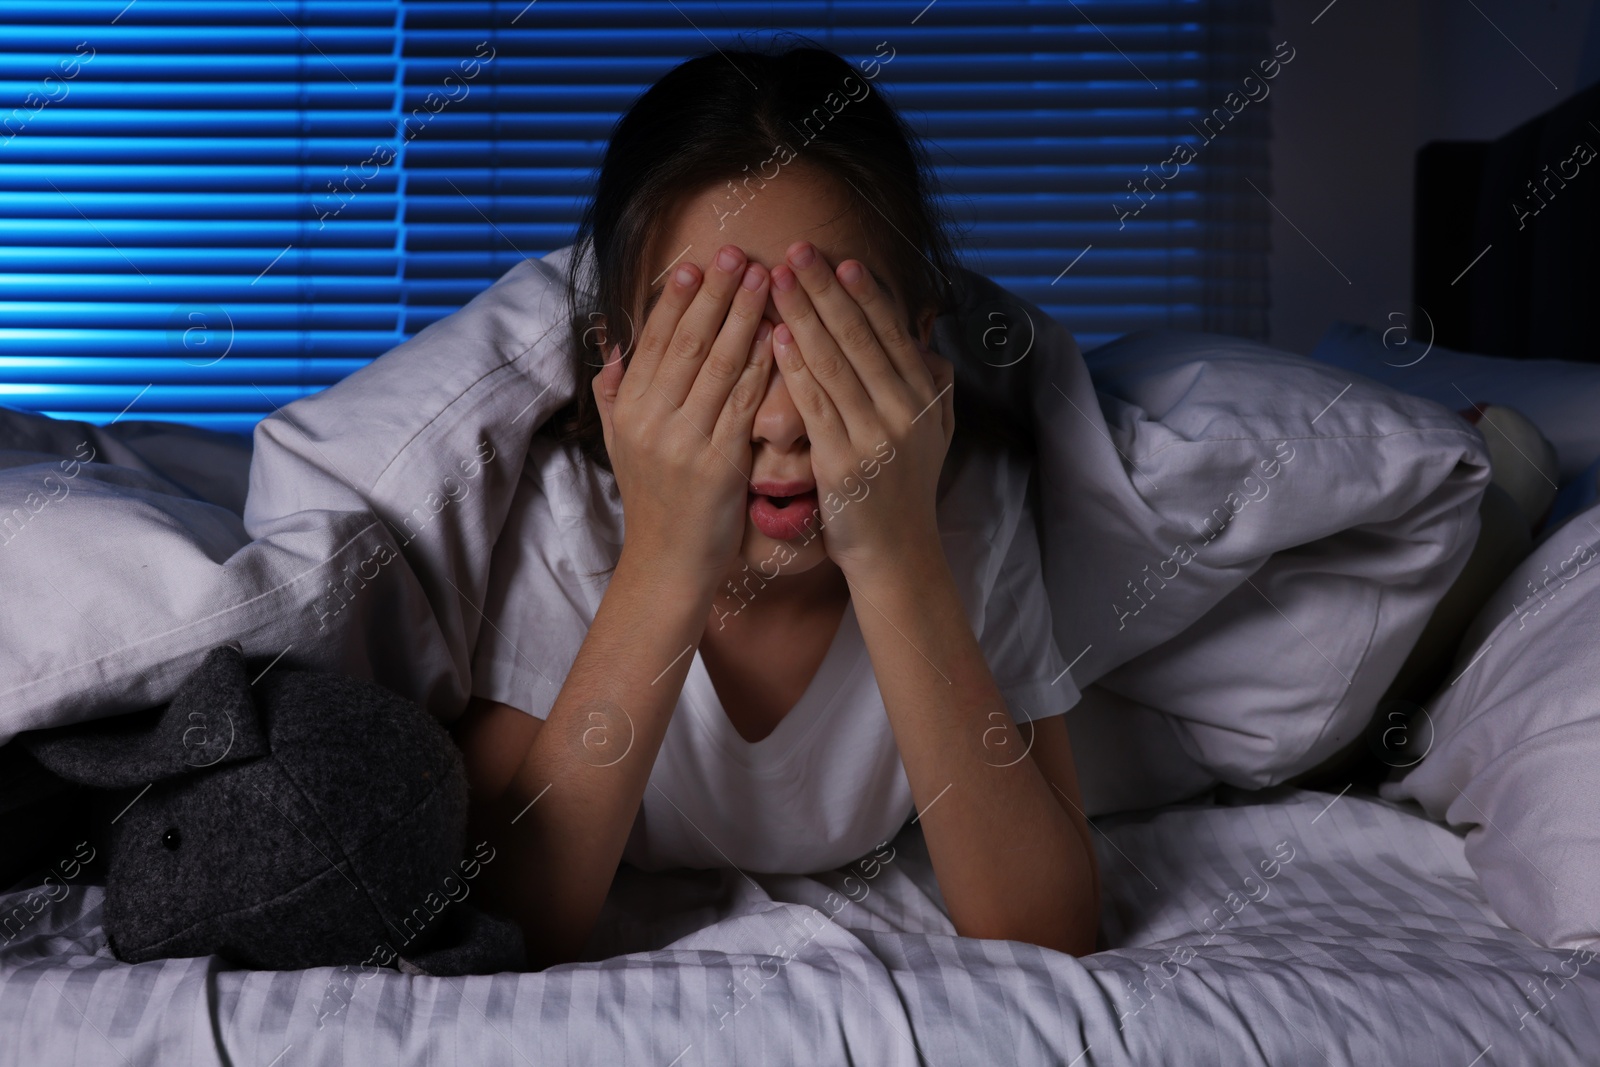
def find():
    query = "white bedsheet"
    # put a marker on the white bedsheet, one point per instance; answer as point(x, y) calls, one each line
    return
point(1369, 942)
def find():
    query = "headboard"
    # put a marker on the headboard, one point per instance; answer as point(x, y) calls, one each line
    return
point(1507, 237)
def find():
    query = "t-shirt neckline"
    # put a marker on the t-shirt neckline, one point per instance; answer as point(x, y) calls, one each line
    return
point(786, 740)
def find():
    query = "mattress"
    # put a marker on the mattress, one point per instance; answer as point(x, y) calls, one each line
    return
point(1276, 927)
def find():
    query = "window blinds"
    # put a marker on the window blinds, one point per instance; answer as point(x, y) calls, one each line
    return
point(209, 210)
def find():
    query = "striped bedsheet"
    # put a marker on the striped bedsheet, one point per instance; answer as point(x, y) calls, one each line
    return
point(1291, 927)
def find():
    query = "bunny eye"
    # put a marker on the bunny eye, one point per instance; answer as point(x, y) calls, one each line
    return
point(171, 839)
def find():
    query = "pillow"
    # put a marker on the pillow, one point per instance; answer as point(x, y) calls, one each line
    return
point(1577, 495)
point(1558, 395)
point(1522, 459)
point(198, 463)
point(1512, 742)
point(127, 583)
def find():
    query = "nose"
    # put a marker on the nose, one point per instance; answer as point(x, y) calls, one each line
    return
point(777, 423)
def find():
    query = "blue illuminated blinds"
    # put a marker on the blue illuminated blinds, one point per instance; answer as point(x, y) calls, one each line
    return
point(210, 209)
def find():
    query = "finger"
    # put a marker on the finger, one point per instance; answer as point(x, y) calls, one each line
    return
point(816, 407)
point(941, 376)
point(823, 359)
point(847, 325)
point(660, 327)
point(738, 414)
point(606, 385)
point(893, 336)
point(730, 352)
point(944, 379)
point(610, 375)
point(698, 328)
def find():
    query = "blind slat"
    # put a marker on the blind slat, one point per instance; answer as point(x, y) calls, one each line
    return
point(207, 199)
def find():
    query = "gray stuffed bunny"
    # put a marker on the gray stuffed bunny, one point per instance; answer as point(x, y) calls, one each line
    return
point(310, 819)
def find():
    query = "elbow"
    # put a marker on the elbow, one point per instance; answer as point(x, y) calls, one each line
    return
point(1070, 925)
point(551, 934)
point(551, 937)
point(546, 947)
point(1073, 939)
point(542, 955)
point(1078, 942)
point(1074, 931)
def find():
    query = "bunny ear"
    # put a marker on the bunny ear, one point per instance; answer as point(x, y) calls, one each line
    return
point(211, 721)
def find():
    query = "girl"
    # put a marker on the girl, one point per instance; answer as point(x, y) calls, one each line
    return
point(827, 616)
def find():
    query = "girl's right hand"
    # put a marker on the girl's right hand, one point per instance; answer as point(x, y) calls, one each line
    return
point(677, 423)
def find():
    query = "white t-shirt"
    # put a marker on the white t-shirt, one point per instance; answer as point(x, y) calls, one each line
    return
point(827, 785)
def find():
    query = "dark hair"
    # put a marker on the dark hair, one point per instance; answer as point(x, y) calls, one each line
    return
point(708, 120)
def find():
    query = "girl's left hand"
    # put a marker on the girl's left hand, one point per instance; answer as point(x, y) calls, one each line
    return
point(877, 406)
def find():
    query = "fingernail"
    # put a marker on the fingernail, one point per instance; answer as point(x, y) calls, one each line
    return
point(803, 256)
point(783, 278)
point(850, 273)
point(782, 335)
point(752, 278)
point(764, 330)
point(684, 275)
point(728, 260)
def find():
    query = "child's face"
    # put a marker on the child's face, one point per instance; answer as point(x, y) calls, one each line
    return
point(800, 203)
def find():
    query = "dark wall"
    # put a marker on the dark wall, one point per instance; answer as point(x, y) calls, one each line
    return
point(1371, 83)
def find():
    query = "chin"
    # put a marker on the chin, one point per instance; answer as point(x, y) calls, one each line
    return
point(770, 557)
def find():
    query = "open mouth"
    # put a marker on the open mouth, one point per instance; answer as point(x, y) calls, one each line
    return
point(784, 517)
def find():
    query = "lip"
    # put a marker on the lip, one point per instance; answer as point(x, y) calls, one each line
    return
point(791, 488)
point(797, 518)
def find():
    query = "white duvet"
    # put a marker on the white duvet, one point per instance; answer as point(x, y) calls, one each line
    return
point(1240, 540)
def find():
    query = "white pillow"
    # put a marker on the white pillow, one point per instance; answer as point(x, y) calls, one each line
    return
point(1558, 395)
point(203, 464)
point(1514, 757)
point(117, 586)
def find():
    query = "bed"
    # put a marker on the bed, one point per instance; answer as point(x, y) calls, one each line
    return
point(1292, 927)
point(1241, 924)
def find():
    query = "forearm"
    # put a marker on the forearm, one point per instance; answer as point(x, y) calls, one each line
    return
point(1013, 860)
point(564, 816)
